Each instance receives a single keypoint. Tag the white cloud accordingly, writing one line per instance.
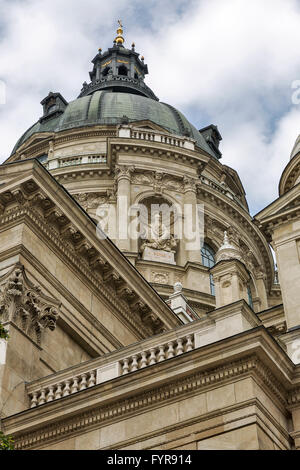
(230, 62)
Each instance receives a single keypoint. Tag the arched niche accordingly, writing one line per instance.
(148, 208)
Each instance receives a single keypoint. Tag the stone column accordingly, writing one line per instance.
(285, 242)
(123, 180)
(192, 246)
(287, 250)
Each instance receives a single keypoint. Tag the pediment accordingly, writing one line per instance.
(149, 125)
(35, 139)
(283, 206)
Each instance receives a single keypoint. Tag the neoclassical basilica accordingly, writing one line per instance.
(125, 332)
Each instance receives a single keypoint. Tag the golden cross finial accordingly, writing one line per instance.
(119, 39)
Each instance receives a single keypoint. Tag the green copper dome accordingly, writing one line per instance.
(116, 94)
(107, 107)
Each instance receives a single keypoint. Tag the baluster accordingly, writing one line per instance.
(67, 389)
(34, 399)
(170, 352)
(74, 388)
(134, 365)
(144, 360)
(125, 366)
(50, 396)
(58, 391)
(92, 379)
(179, 347)
(152, 359)
(42, 398)
(189, 344)
(161, 354)
(83, 383)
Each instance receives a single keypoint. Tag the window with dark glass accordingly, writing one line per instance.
(250, 300)
(208, 260)
(42, 158)
(123, 71)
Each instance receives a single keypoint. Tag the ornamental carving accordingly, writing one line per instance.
(160, 278)
(189, 184)
(124, 171)
(24, 304)
(159, 236)
(90, 200)
(158, 182)
(142, 179)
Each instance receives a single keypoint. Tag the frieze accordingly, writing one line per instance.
(91, 200)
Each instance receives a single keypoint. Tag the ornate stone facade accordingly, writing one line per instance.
(97, 358)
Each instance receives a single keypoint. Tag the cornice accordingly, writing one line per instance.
(99, 327)
(141, 402)
(162, 383)
(289, 175)
(31, 203)
(29, 149)
(104, 290)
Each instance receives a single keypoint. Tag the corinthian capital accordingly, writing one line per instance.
(25, 305)
(124, 171)
(189, 184)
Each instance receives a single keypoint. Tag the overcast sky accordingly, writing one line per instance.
(227, 62)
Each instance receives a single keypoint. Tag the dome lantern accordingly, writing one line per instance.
(119, 69)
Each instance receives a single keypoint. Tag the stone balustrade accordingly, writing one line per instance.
(221, 189)
(157, 354)
(63, 388)
(237, 317)
(154, 136)
(61, 162)
(82, 377)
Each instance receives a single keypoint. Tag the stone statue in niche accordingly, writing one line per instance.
(160, 244)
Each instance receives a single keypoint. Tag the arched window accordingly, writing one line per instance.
(51, 108)
(105, 71)
(208, 260)
(123, 70)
